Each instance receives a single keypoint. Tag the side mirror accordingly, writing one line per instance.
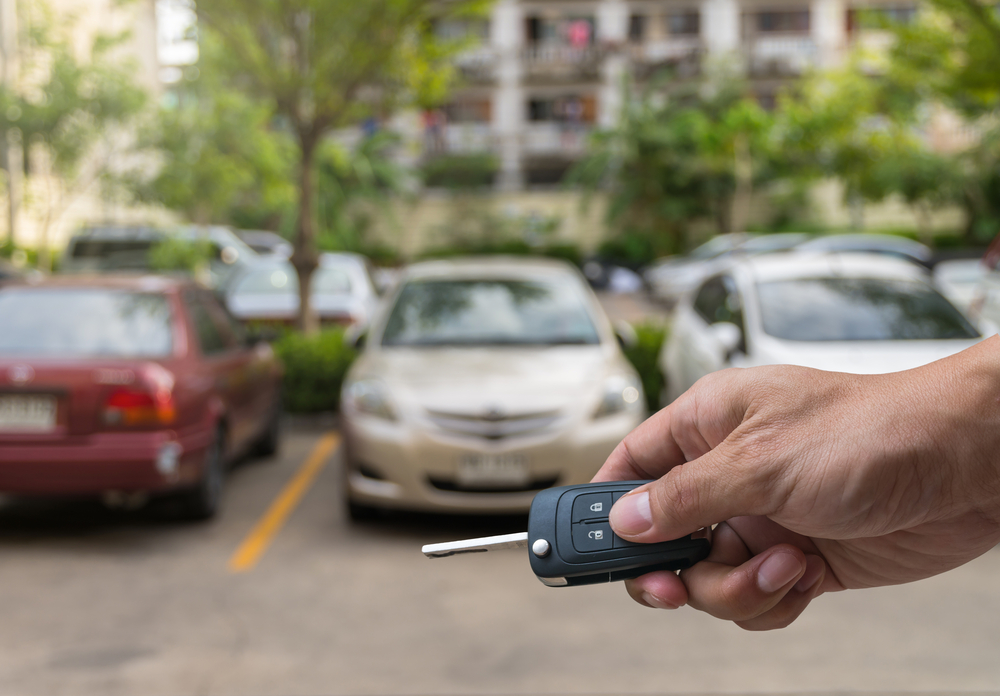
(729, 337)
(626, 335)
(355, 336)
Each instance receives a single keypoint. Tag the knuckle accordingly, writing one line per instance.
(673, 499)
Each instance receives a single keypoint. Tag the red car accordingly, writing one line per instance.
(129, 385)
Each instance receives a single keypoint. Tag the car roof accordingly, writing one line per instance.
(491, 267)
(866, 241)
(802, 265)
(115, 232)
(123, 281)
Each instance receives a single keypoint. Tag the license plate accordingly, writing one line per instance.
(27, 414)
(493, 469)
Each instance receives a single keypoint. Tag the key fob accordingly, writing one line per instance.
(570, 541)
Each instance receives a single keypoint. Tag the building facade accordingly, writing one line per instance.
(546, 72)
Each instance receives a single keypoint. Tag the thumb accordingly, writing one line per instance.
(715, 487)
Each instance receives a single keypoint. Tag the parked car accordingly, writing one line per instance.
(134, 385)
(127, 249)
(670, 277)
(266, 243)
(343, 291)
(483, 381)
(886, 244)
(859, 313)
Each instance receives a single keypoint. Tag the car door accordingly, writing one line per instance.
(229, 363)
(717, 300)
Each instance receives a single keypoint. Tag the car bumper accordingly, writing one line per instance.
(127, 462)
(397, 467)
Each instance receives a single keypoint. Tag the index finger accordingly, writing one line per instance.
(688, 428)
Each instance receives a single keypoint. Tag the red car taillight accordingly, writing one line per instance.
(130, 406)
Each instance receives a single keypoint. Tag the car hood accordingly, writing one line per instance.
(475, 381)
(860, 357)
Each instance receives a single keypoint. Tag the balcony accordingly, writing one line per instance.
(477, 66)
(555, 139)
(681, 56)
(559, 63)
(780, 56)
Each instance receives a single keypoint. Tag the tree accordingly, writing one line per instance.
(71, 109)
(326, 64)
(676, 157)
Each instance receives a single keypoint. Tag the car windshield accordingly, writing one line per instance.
(84, 323)
(858, 309)
(283, 280)
(489, 312)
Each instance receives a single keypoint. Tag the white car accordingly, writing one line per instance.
(483, 381)
(859, 313)
(961, 280)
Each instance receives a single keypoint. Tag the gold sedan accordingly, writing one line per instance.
(483, 381)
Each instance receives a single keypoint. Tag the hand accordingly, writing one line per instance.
(821, 481)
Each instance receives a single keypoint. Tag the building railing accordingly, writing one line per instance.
(681, 55)
(459, 139)
(562, 62)
(555, 139)
(780, 56)
(478, 65)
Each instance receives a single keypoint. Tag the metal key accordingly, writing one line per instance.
(572, 542)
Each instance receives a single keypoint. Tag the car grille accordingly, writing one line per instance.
(493, 426)
(450, 484)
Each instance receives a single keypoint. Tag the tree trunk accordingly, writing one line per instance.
(743, 171)
(305, 257)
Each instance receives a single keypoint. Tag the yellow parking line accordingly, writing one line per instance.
(263, 533)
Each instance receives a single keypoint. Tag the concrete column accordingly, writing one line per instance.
(828, 26)
(612, 33)
(507, 32)
(720, 26)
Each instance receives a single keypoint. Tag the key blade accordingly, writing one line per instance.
(493, 543)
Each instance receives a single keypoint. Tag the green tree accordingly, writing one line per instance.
(676, 157)
(72, 109)
(327, 64)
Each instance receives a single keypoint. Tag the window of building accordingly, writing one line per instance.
(686, 23)
(569, 108)
(637, 28)
(781, 21)
(469, 110)
(577, 31)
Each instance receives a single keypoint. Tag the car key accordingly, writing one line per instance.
(571, 542)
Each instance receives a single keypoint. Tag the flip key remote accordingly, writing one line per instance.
(571, 541)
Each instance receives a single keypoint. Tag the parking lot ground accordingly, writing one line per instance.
(116, 602)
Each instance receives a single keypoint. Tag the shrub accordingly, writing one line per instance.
(461, 171)
(314, 369)
(643, 356)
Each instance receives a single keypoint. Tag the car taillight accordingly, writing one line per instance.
(129, 406)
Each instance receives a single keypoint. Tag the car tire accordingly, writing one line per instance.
(269, 442)
(358, 512)
(202, 501)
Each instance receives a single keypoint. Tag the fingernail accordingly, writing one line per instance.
(814, 571)
(631, 514)
(777, 571)
(657, 603)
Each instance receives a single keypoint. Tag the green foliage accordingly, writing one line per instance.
(643, 357)
(675, 158)
(314, 369)
(470, 171)
(174, 254)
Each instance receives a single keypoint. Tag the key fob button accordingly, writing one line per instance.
(591, 506)
(622, 544)
(595, 536)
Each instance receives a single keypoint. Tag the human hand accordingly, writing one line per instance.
(821, 481)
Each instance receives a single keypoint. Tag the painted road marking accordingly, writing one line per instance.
(260, 537)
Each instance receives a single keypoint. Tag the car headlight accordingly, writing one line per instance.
(371, 397)
(620, 393)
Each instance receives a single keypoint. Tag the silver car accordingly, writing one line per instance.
(481, 383)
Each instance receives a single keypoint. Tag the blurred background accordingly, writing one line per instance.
(290, 289)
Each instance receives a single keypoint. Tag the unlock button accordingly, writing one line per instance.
(594, 536)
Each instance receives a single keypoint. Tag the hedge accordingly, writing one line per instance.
(314, 369)
(643, 355)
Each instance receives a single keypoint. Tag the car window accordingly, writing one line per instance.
(719, 300)
(268, 281)
(489, 312)
(330, 281)
(84, 322)
(211, 330)
(858, 309)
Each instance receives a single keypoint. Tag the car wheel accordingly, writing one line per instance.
(202, 501)
(270, 441)
(360, 513)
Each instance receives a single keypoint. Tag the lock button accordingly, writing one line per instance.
(592, 506)
(592, 536)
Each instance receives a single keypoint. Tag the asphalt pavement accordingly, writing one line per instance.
(109, 602)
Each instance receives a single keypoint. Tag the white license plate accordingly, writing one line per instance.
(22, 413)
(493, 469)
